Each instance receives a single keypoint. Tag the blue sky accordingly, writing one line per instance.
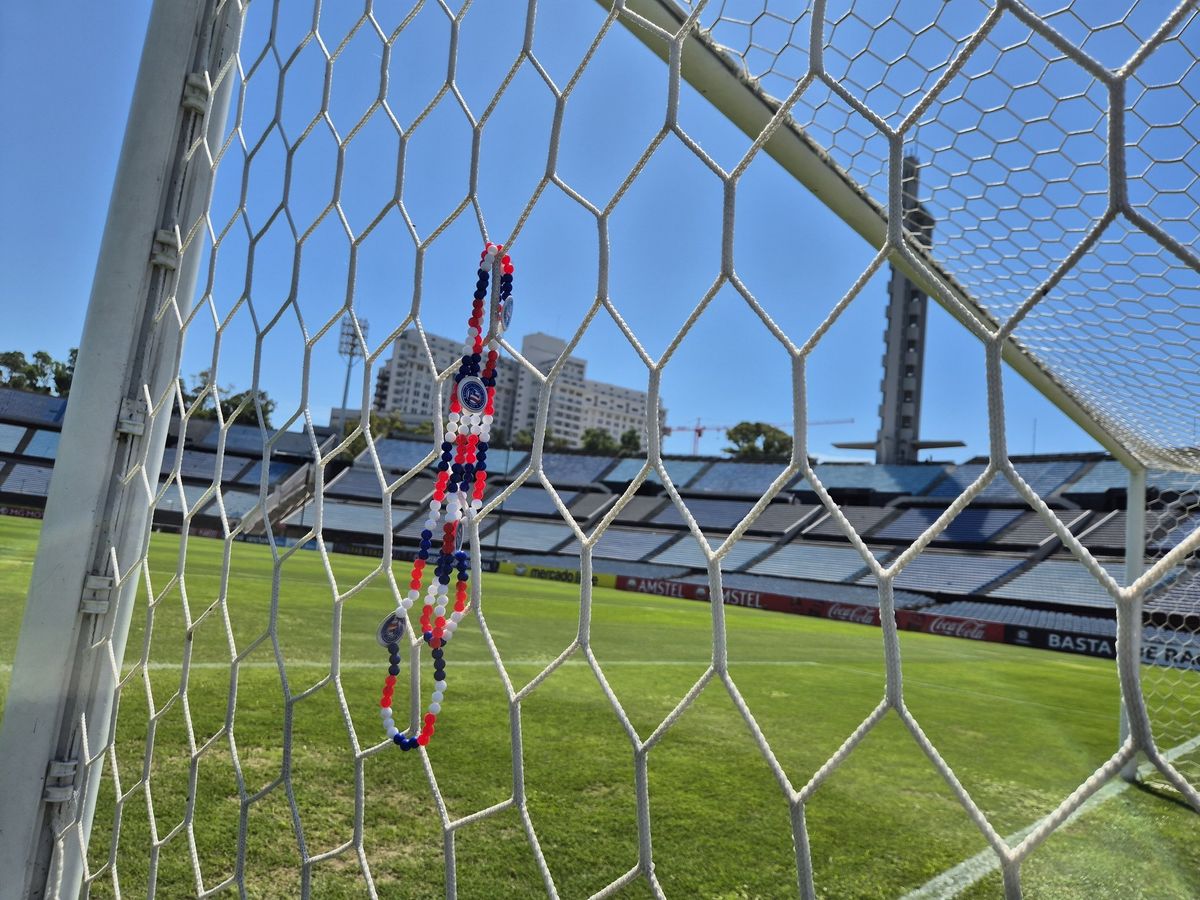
(793, 254)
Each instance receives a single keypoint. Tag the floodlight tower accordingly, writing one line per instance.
(898, 439)
(348, 347)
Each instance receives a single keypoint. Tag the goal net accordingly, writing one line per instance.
(702, 199)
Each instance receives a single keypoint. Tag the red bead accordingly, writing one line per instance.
(430, 718)
(423, 739)
(415, 584)
(383, 704)
(390, 681)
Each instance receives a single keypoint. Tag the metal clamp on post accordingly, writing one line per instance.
(132, 417)
(195, 93)
(97, 592)
(165, 252)
(60, 780)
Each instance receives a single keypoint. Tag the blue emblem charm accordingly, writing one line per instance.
(506, 311)
(390, 630)
(472, 395)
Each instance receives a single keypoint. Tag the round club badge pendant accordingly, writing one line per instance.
(472, 395)
(390, 630)
(506, 314)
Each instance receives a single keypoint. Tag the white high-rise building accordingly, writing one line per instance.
(404, 385)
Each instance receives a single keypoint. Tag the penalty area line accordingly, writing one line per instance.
(954, 881)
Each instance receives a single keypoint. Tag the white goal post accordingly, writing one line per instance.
(189, 129)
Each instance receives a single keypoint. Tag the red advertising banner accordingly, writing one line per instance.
(910, 620)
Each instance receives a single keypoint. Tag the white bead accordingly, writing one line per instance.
(450, 436)
(437, 696)
(442, 685)
(385, 712)
(435, 708)
(456, 616)
(435, 505)
(450, 627)
(388, 724)
(393, 731)
(476, 505)
(414, 594)
(406, 603)
(453, 417)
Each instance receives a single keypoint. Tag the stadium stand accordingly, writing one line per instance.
(1061, 582)
(1168, 532)
(11, 437)
(353, 519)
(514, 534)
(722, 515)
(813, 590)
(247, 440)
(43, 444)
(568, 469)
(680, 471)
(779, 518)
(686, 552)
(1030, 530)
(1106, 533)
(27, 480)
(1180, 596)
(638, 509)
(1011, 614)
(863, 518)
(629, 544)
(1044, 477)
(196, 465)
(814, 562)
(237, 502)
(748, 478)
(951, 573)
(974, 525)
(1108, 475)
(30, 408)
(506, 461)
(535, 501)
(276, 472)
(170, 501)
(892, 480)
(396, 454)
(357, 481)
(588, 505)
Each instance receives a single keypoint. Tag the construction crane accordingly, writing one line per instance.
(699, 428)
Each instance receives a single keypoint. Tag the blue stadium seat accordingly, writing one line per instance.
(365, 519)
(571, 469)
(1044, 477)
(813, 561)
(10, 437)
(885, 479)
(951, 573)
(686, 552)
(728, 477)
(28, 480)
(1061, 581)
(681, 471)
(721, 515)
(974, 525)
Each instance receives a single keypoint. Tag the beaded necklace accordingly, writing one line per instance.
(461, 470)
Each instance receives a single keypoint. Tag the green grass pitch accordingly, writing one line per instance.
(1022, 728)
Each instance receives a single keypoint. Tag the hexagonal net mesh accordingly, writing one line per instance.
(367, 155)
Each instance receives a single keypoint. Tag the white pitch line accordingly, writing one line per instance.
(954, 881)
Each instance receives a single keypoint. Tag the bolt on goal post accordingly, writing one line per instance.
(53, 745)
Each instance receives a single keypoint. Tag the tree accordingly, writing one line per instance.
(229, 398)
(758, 440)
(631, 442)
(597, 440)
(383, 425)
(41, 373)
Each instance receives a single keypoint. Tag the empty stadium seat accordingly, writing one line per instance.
(813, 561)
(686, 552)
(728, 477)
(974, 525)
(680, 471)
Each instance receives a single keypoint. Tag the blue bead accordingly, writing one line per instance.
(458, 377)
(393, 669)
(426, 544)
(398, 740)
(436, 654)
(447, 446)
(482, 446)
(475, 357)
(428, 636)
(480, 294)
(444, 579)
(426, 534)
(393, 648)
(423, 554)
(439, 676)
(481, 466)
(443, 466)
(395, 657)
